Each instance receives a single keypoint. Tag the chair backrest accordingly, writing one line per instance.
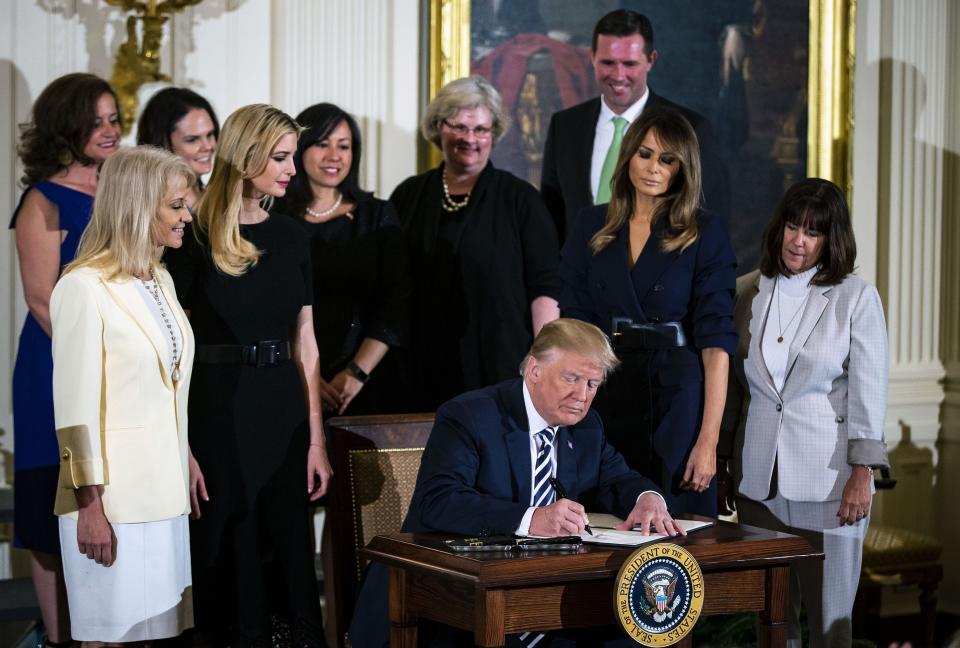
(375, 462)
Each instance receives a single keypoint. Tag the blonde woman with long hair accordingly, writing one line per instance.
(122, 356)
(657, 273)
(245, 278)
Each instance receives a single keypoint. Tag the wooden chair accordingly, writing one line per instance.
(375, 463)
(897, 557)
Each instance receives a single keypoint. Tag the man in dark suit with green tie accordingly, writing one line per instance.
(583, 141)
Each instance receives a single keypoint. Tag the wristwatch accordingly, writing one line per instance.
(358, 373)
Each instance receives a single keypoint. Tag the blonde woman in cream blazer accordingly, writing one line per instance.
(122, 358)
(804, 420)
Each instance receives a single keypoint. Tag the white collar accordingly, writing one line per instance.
(535, 422)
(630, 114)
(796, 285)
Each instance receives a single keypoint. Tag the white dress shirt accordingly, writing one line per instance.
(535, 424)
(604, 135)
(784, 313)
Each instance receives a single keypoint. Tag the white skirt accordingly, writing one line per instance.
(145, 594)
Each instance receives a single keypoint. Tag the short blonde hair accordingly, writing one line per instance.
(573, 336)
(461, 94)
(243, 150)
(132, 185)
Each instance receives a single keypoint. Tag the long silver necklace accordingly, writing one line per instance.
(153, 288)
(447, 202)
(327, 212)
(779, 316)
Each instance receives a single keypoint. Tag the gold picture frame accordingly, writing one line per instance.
(829, 90)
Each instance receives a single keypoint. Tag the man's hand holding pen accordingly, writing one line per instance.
(563, 517)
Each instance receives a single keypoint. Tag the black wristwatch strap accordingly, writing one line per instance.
(359, 373)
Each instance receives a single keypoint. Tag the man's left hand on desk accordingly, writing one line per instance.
(650, 514)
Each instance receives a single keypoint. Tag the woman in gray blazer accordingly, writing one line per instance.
(807, 399)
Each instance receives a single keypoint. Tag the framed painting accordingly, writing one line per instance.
(773, 77)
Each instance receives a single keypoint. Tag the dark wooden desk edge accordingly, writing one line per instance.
(422, 553)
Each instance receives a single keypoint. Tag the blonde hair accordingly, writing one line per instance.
(680, 204)
(462, 94)
(132, 186)
(574, 336)
(243, 151)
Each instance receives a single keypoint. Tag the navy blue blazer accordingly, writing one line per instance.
(475, 472)
(695, 287)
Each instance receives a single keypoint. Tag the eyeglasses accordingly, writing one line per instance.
(480, 132)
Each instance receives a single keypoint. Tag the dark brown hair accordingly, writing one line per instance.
(165, 110)
(62, 119)
(820, 205)
(681, 202)
(623, 22)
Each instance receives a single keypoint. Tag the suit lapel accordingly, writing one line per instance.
(759, 311)
(653, 261)
(585, 138)
(567, 473)
(127, 297)
(517, 438)
(814, 308)
(613, 264)
(186, 354)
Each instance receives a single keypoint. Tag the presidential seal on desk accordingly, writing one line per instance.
(659, 594)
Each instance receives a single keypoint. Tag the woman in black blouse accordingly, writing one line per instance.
(361, 282)
(483, 252)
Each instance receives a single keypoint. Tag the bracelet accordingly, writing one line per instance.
(359, 373)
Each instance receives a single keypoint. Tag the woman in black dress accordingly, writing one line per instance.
(255, 423)
(360, 270)
(483, 252)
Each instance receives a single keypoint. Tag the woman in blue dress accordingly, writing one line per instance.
(75, 126)
(657, 273)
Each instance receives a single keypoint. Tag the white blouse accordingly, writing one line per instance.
(784, 313)
(147, 289)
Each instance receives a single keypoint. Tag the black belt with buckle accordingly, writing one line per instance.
(266, 353)
(648, 335)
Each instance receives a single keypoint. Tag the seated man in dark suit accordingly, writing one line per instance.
(583, 141)
(487, 466)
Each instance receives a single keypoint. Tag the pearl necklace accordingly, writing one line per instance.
(447, 202)
(153, 288)
(327, 212)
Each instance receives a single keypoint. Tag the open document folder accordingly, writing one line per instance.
(604, 533)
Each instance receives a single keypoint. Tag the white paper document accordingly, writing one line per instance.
(603, 532)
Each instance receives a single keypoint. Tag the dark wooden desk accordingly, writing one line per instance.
(495, 594)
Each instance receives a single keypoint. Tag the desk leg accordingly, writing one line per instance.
(488, 616)
(773, 618)
(403, 626)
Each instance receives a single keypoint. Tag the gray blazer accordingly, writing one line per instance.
(831, 410)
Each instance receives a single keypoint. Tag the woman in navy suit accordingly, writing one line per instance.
(658, 275)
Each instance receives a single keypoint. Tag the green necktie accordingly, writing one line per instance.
(610, 162)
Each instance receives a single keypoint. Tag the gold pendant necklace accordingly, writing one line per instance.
(795, 313)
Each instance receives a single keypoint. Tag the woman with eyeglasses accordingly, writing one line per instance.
(483, 252)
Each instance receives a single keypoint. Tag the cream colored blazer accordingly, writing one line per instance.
(802, 441)
(121, 420)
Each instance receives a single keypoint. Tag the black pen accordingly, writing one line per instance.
(561, 494)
